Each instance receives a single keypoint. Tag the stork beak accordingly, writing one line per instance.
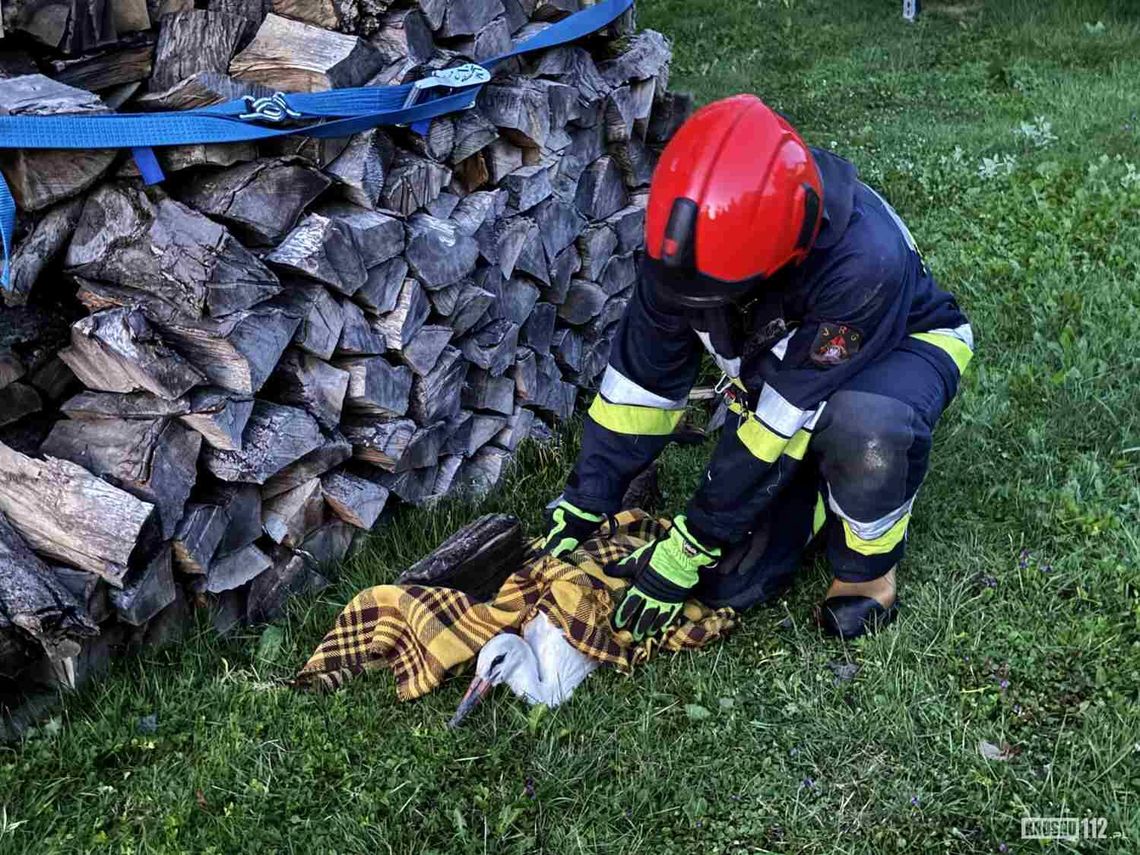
(475, 692)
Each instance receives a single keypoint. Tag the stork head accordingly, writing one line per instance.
(499, 659)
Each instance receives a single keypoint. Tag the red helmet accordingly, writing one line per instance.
(735, 197)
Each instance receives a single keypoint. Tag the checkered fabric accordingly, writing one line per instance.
(421, 633)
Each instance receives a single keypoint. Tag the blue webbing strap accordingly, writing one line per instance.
(335, 113)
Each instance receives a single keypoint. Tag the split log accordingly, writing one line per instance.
(559, 225)
(236, 569)
(330, 543)
(342, 15)
(194, 41)
(436, 395)
(400, 325)
(573, 66)
(40, 247)
(166, 250)
(442, 206)
(11, 368)
(201, 90)
(36, 602)
(519, 108)
(66, 513)
(219, 417)
(87, 589)
(514, 298)
(669, 113)
(136, 405)
(289, 517)
(54, 380)
(261, 200)
(476, 208)
(423, 352)
(16, 401)
(305, 381)
(239, 351)
(198, 536)
(587, 144)
(38, 178)
(567, 349)
(482, 472)
(527, 186)
(153, 459)
(413, 182)
(382, 287)
(492, 347)
(635, 161)
(322, 323)
(415, 486)
(375, 386)
(477, 559)
(619, 275)
(470, 174)
(378, 237)
(275, 436)
(176, 158)
(354, 498)
(472, 304)
(241, 504)
(357, 337)
(516, 429)
(459, 429)
(118, 351)
(484, 428)
(381, 443)
(538, 330)
(584, 301)
(595, 248)
(469, 17)
(525, 374)
(435, 143)
(445, 475)
(405, 34)
(600, 190)
(618, 115)
(483, 391)
(324, 250)
(519, 247)
(72, 26)
(146, 594)
(227, 610)
(501, 158)
(629, 228)
(296, 57)
(362, 168)
(334, 450)
(473, 133)
(290, 576)
(437, 252)
(644, 55)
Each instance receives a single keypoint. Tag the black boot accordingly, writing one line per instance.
(850, 617)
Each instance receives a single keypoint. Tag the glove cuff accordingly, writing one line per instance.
(578, 512)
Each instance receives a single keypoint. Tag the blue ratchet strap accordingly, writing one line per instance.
(335, 113)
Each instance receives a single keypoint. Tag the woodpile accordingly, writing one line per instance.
(209, 386)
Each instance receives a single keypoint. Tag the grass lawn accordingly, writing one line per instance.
(1006, 133)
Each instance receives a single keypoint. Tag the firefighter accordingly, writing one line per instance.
(839, 353)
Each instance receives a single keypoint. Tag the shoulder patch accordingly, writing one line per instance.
(834, 344)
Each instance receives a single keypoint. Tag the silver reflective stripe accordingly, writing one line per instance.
(731, 367)
(964, 334)
(619, 389)
(780, 414)
(811, 423)
(898, 220)
(780, 348)
(874, 529)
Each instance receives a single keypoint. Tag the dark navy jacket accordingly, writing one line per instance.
(862, 292)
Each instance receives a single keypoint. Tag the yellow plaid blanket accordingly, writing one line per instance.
(421, 633)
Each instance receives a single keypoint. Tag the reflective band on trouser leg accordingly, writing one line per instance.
(769, 445)
(953, 346)
(880, 545)
(630, 419)
(820, 516)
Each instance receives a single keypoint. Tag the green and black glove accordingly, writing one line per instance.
(663, 573)
(569, 526)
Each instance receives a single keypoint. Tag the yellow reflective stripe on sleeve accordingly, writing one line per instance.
(954, 347)
(798, 445)
(763, 443)
(631, 419)
(880, 545)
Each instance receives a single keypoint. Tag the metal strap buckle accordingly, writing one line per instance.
(460, 77)
(270, 108)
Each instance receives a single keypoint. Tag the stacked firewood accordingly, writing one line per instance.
(207, 387)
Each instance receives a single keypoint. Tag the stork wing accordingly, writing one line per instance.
(560, 666)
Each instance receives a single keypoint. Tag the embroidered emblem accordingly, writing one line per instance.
(835, 344)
